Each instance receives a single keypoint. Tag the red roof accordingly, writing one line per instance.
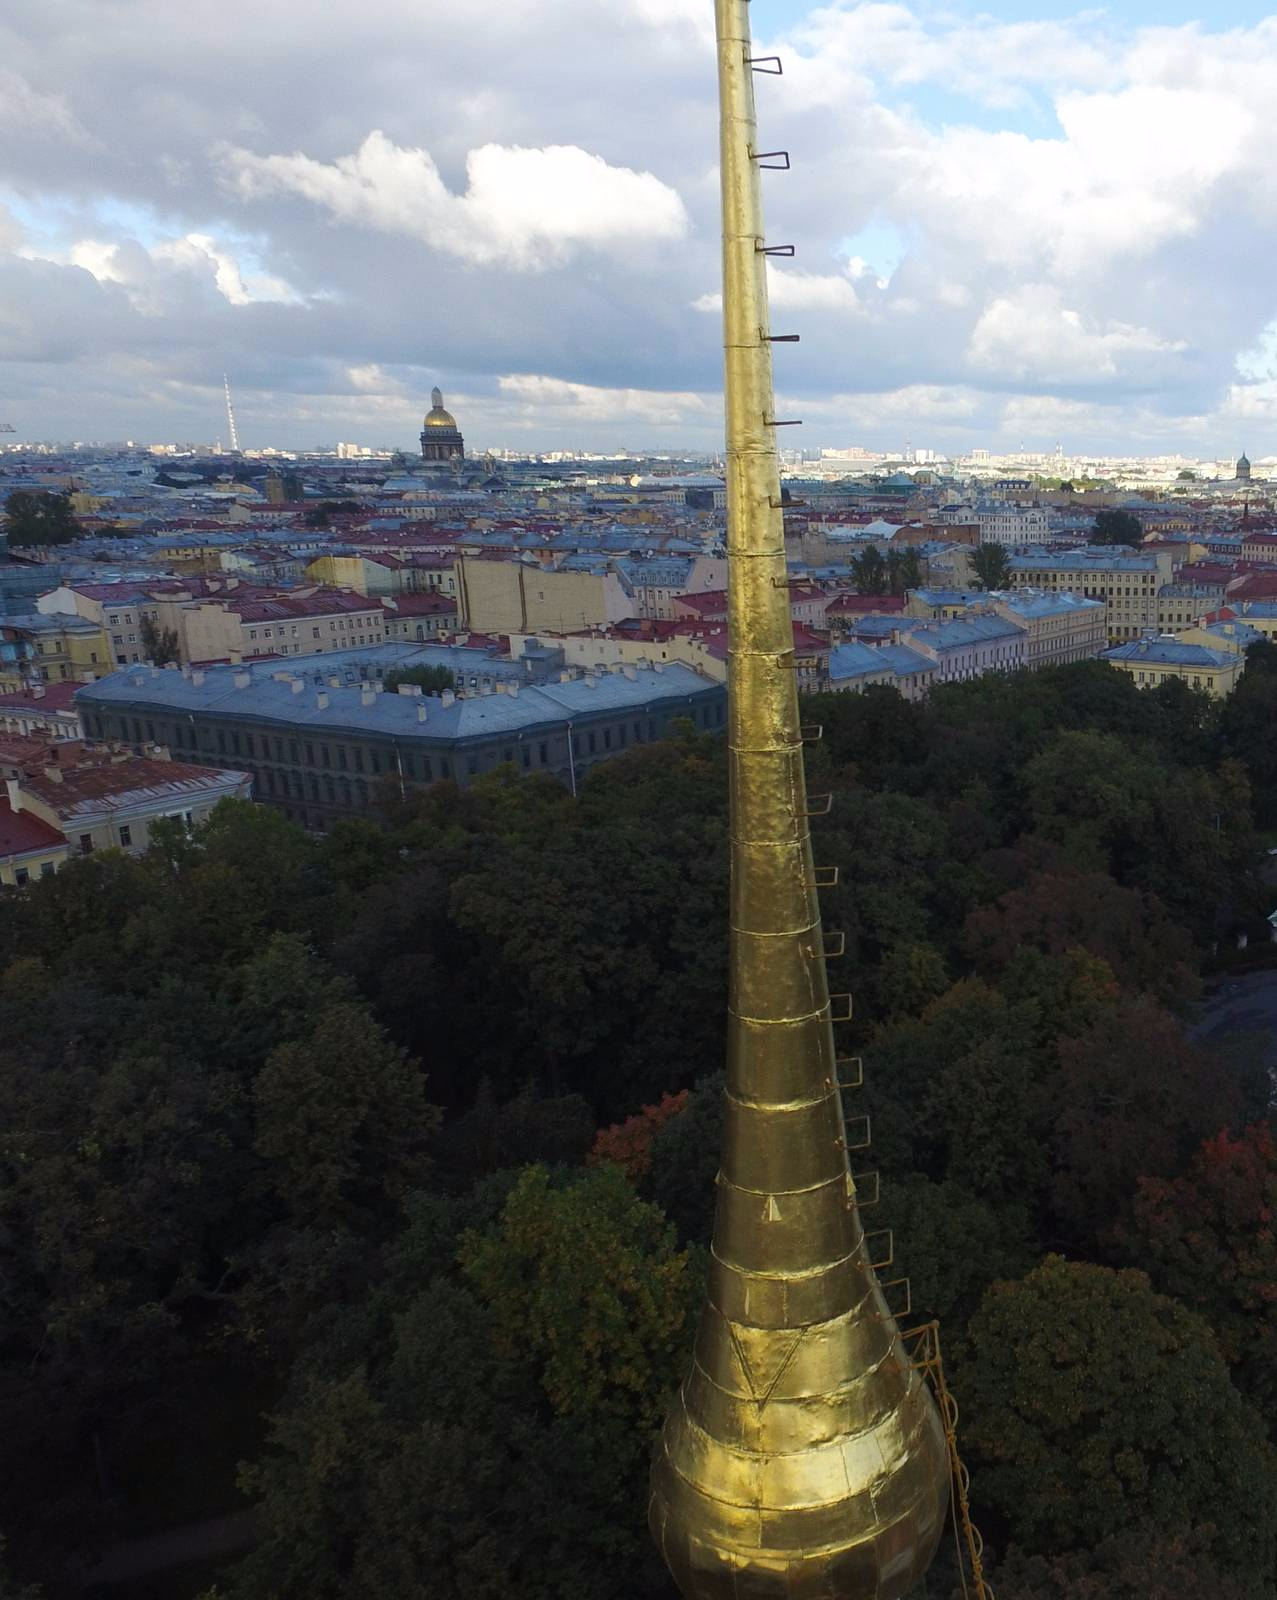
(22, 834)
(859, 605)
(706, 603)
(99, 786)
(324, 603)
(429, 604)
(56, 697)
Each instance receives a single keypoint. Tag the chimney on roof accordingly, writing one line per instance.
(629, 672)
(447, 698)
(37, 691)
(367, 694)
(197, 677)
(298, 685)
(334, 682)
(243, 679)
(421, 710)
(411, 689)
(321, 699)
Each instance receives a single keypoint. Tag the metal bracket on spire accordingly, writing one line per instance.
(891, 1247)
(811, 732)
(849, 1061)
(782, 338)
(823, 878)
(783, 422)
(863, 1177)
(908, 1305)
(821, 805)
(767, 160)
(836, 950)
(863, 1144)
(760, 64)
(774, 249)
(840, 1018)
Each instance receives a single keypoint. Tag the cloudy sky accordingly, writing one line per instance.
(1025, 224)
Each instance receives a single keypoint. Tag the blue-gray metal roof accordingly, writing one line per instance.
(1170, 653)
(274, 698)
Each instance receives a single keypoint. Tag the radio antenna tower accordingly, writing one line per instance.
(230, 416)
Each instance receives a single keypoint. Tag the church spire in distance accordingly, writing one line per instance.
(804, 1458)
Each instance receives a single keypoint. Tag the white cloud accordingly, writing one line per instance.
(522, 208)
(1033, 335)
(792, 290)
(535, 395)
(26, 110)
(151, 276)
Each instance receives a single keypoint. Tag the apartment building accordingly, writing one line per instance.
(418, 617)
(316, 746)
(62, 800)
(1060, 627)
(1152, 660)
(65, 648)
(1128, 583)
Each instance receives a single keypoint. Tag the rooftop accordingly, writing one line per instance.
(23, 834)
(89, 790)
(1170, 653)
(359, 708)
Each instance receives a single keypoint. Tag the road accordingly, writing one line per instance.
(1241, 1005)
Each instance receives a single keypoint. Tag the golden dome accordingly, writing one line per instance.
(437, 417)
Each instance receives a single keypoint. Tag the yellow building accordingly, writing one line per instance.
(364, 574)
(1153, 660)
(1128, 582)
(64, 648)
(509, 597)
(30, 847)
(706, 652)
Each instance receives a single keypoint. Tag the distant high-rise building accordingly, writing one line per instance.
(441, 439)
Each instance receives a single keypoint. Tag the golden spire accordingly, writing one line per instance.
(804, 1458)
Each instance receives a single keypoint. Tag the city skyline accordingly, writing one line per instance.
(982, 208)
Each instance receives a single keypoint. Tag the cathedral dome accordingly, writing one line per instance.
(1243, 466)
(441, 439)
(437, 417)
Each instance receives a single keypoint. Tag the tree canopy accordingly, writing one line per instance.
(37, 516)
(368, 1178)
(1117, 527)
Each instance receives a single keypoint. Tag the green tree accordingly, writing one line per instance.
(869, 571)
(1246, 723)
(1136, 1098)
(432, 680)
(342, 1119)
(1207, 1237)
(160, 644)
(1133, 1566)
(904, 570)
(1117, 527)
(992, 566)
(589, 1285)
(1093, 1407)
(35, 517)
(527, 1379)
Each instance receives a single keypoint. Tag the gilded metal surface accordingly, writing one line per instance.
(804, 1458)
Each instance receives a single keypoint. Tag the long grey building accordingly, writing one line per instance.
(317, 741)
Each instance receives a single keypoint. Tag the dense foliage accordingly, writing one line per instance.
(38, 516)
(368, 1178)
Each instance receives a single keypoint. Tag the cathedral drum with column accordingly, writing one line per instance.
(441, 439)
